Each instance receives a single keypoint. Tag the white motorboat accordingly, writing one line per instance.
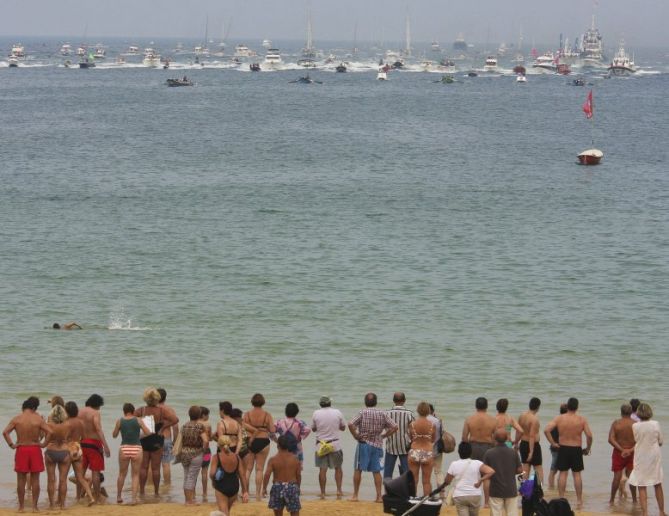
(100, 52)
(447, 66)
(267, 43)
(382, 75)
(273, 57)
(81, 51)
(18, 51)
(490, 64)
(201, 50)
(244, 51)
(151, 58)
(622, 64)
(545, 63)
(13, 62)
(66, 49)
(521, 78)
(132, 51)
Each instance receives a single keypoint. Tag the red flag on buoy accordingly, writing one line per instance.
(587, 106)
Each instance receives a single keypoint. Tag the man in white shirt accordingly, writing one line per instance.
(327, 424)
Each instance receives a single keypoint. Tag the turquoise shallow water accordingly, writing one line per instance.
(254, 235)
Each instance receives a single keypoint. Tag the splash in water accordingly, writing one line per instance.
(118, 320)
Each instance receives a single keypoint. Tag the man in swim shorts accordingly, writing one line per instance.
(530, 449)
(621, 438)
(286, 470)
(93, 445)
(369, 428)
(571, 427)
(478, 431)
(29, 427)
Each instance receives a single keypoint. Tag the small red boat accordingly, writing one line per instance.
(590, 157)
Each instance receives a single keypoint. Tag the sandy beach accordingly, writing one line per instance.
(309, 508)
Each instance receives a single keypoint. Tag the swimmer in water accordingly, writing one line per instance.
(67, 326)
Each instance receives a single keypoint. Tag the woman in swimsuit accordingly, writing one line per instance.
(263, 423)
(506, 422)
(228, 425)
(227, 472)
(76, 434)
(162, 419)
(247, 432)
(130, 452)
(206, 457)
(57, 455)
(421, 455)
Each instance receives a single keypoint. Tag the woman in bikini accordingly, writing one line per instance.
(507, 422)
(75, 435)
(162, 418)
(421, 455)
(228, 426)
(130, 452)
(263, 423)
(227, 472)
(57, 455)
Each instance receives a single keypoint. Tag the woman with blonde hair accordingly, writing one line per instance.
(227, 472)
(647, 470)
(152, 445)
(130, 452)
(263, 423)
(57, 455)
(423, 435)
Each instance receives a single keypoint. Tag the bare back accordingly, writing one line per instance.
(479, 428)
(91, 422)
(29, 427)
(261, 420)
(76, 429)
(571, 428)
(622, 432)
(60, 433)
(285, 467)
(529, 422)
(171, 427)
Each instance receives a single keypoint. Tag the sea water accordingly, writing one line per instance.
(253, 235)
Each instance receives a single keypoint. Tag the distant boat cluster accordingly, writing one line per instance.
(585, 54)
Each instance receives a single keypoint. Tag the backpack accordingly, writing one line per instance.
(560, 507)
(291, 440)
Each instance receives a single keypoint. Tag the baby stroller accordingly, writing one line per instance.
(400, 498)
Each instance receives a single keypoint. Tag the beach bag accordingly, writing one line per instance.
(152, 442)
(75, 451)
(176, 448)
(150, 423)
(291, 439)
(447, 442)
(324, 448)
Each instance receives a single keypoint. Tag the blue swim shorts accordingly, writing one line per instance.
(285, 494)
(368, 458)
(167, 452)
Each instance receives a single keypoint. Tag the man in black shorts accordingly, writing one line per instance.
(571, 427)
(530, 449)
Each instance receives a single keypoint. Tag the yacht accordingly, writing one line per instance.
(273, 57)
(267, 43)
(66, 49)
(151, 58)
(447, 66)
(435, 46)
(545, 63)
(13, 62)
(244, 51)
(201, 50)
(81, 51)
(592, 48)
(622, 64)
(460, 45)
(490, 64)
(18, 51)
(132, 51)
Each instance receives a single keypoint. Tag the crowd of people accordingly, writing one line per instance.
(494, 451)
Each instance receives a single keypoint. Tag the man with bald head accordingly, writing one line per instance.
(506, 463)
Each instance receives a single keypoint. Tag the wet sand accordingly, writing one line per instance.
(309, 508)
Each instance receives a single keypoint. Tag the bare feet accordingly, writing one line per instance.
(353, 498)
(322, 496)
(340, 495)
(379, 499)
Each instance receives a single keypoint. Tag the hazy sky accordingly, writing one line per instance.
(640, 22)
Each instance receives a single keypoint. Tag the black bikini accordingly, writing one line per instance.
(224, 482)
(260, 443)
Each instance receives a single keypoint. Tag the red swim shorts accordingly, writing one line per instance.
(93, 455)
(618, 462)
(28, 459)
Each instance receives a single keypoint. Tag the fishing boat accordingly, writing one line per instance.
(18, 51)
(88, 61)
(622, 64)
(545, 63)
(151, 58)
(99, 52)
(242, 50)
(490, 64)
(66, 49)
(273, 57)
(590, 156)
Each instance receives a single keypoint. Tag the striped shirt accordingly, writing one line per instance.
(398, 443)
(371, 422)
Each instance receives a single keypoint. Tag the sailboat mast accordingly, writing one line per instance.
(407, 50)
(355, 38)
